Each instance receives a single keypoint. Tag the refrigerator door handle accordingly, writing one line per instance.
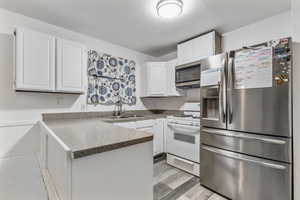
(230, 88)
(222, 94)
(243, 158)
(224, 97)
(221, 108)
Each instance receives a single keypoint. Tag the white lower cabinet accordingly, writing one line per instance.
(126, 124)
(106, 175)
(156, 127)
(158, 142)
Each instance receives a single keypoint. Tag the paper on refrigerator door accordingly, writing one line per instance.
(210, 77)
(254, 68)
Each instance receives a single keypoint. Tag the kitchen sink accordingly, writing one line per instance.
(125, 116)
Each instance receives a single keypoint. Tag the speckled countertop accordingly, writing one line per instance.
(91, 136)
(91, 133)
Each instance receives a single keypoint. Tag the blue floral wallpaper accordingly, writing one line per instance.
(110, 78)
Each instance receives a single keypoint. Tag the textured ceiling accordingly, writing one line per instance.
(134, 23)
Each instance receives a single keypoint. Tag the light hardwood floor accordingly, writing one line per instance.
(171, 183)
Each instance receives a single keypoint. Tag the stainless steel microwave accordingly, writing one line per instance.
(188, 75)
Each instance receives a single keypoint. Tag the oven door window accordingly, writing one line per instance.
(185, 138)
(191, 73)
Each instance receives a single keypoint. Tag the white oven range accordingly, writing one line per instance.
(183, 143)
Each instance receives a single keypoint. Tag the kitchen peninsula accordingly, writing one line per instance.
(89, 158)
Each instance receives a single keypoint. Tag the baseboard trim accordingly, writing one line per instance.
(49, 185)
(159, 157)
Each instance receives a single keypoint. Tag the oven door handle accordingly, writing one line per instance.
(243, 158)
(184, 128)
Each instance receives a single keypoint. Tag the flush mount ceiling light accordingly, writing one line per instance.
(169, 8)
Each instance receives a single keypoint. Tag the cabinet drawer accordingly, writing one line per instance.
(190, 167)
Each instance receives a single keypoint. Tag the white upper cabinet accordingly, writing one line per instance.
(198, 48)
(45, 63)
(185, 52)
(35, 61)
(203, 46)
(171, 86)
(71, 65)
(156, 79)
(159, 80)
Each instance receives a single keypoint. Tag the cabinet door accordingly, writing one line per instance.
(158, 131)
(156, 127)
(35, 61)
(150, 129)
(203, 46)
(156, 79)
(171, 86)
(185, 52)
(71, 64)
(180, 54)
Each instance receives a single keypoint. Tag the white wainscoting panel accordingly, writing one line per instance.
(19, 138)
(21, 178)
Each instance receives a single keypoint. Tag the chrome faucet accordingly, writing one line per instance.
(119, 105)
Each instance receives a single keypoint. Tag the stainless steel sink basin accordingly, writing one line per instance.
(125, 116)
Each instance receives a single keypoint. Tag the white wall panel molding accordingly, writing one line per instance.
(17, 123)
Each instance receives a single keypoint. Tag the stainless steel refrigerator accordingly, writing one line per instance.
(246, 119)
